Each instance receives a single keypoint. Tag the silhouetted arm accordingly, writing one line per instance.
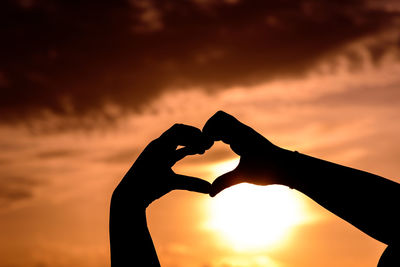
(130, 240)
(367, 201)
(148, 179)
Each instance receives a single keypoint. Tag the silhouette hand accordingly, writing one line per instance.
(151, 175)
(261, 162)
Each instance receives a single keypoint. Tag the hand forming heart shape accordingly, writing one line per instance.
(151, 176)
(261, 163)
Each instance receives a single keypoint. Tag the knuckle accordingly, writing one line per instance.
(175, 127)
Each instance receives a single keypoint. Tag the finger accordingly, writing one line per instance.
(224, 181)
(186, 135)
(185, 151)
(222, 126)
(183, 182)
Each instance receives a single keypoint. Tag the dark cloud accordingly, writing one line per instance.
(58, 153)
(123, 156)
(75, 56)
(368, 96)
(16, 188)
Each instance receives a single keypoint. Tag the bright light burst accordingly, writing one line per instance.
(253, 217)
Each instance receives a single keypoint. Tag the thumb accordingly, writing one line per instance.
(224, 181)
(183, 182)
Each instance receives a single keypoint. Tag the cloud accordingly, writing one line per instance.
(74, 58)
(58, 153)
(73, 173)
(122, 156)
(16, 188)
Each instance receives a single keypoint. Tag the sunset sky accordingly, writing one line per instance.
(85, 85)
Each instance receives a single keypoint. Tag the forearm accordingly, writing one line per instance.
(365, 200)
(130, 240)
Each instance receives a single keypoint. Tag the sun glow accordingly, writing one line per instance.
(254, 217)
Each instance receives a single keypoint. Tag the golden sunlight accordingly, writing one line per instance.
(251, 217)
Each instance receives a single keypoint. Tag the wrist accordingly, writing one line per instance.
(126, 200)
(294, 169)
(286, 162)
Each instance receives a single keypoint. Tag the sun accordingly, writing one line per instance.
(251, 217)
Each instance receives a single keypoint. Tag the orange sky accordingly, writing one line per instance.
(80, 98)
(56, 185)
